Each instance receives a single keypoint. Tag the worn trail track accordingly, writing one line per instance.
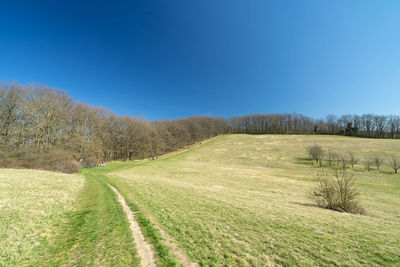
(144, 249)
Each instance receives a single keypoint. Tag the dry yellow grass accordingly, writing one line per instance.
(31, 205)
(242, 200)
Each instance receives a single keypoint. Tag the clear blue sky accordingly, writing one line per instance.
(176, 58)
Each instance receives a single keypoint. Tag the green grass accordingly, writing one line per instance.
(51, 219)
(95, 234)
(32, 204)
(164, 257)
(243, 200)
(236, 200)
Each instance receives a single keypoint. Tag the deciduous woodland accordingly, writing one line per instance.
(367, 125)
(44, 128)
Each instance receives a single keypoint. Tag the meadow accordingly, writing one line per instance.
(32, 203)
(53, 219)
(244, 200)
(234, 200)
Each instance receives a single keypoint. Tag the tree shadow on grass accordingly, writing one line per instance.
(304, 161)
(312, 205)
(306, 204)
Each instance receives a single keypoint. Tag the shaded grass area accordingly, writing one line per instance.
(243, 200)
(96, 233)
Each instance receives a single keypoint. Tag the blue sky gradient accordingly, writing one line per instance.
(172, 59)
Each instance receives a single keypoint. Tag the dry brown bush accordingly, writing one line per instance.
(336, 191)
(52, 160)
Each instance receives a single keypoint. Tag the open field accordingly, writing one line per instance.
(243, 200)
(32, 203)
(235, 200)
(52, 219)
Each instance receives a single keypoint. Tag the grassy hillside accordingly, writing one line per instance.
(242, 200)
(32, 203)
(52, 219)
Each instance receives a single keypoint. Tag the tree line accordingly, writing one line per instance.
(45, 128)
(367, 125)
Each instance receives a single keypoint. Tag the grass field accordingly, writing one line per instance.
(238, 200)
(32, 203)
(243, 200)
(52, 219)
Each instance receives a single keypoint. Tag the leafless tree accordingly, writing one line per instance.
(316, 153)
(331, 156)
(35, 120)
(367, 125)
(368, 163)
(394, 163)
(352, 158)
(377, 160)
(342, 161)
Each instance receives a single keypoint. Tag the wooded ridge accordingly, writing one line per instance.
(44, 128)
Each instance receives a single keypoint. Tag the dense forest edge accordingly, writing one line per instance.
(44, 128)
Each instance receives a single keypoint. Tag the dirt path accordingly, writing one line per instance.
(144, 249)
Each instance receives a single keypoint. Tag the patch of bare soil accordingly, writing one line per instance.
(144, 249)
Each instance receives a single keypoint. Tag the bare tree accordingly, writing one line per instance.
(331, 156)
(353, 160)
(316, 153)
(342, 161)
(377, 160)
(368, 163)
(394, 163)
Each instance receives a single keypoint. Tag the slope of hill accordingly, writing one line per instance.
(234, 200)
(53, 219)
(32, 204)
(243, 200)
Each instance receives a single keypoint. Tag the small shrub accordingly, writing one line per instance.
(89, 161)
(336, 191)
(56, 160)
(51, 160)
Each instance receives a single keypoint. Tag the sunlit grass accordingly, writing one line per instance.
(243, 200)
(32, 203)
(53, 219)
(95, 233)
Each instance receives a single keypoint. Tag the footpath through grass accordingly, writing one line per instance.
(243, 200)
(164, 256)
(96, 233)
(236, 200)
(52, 219)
